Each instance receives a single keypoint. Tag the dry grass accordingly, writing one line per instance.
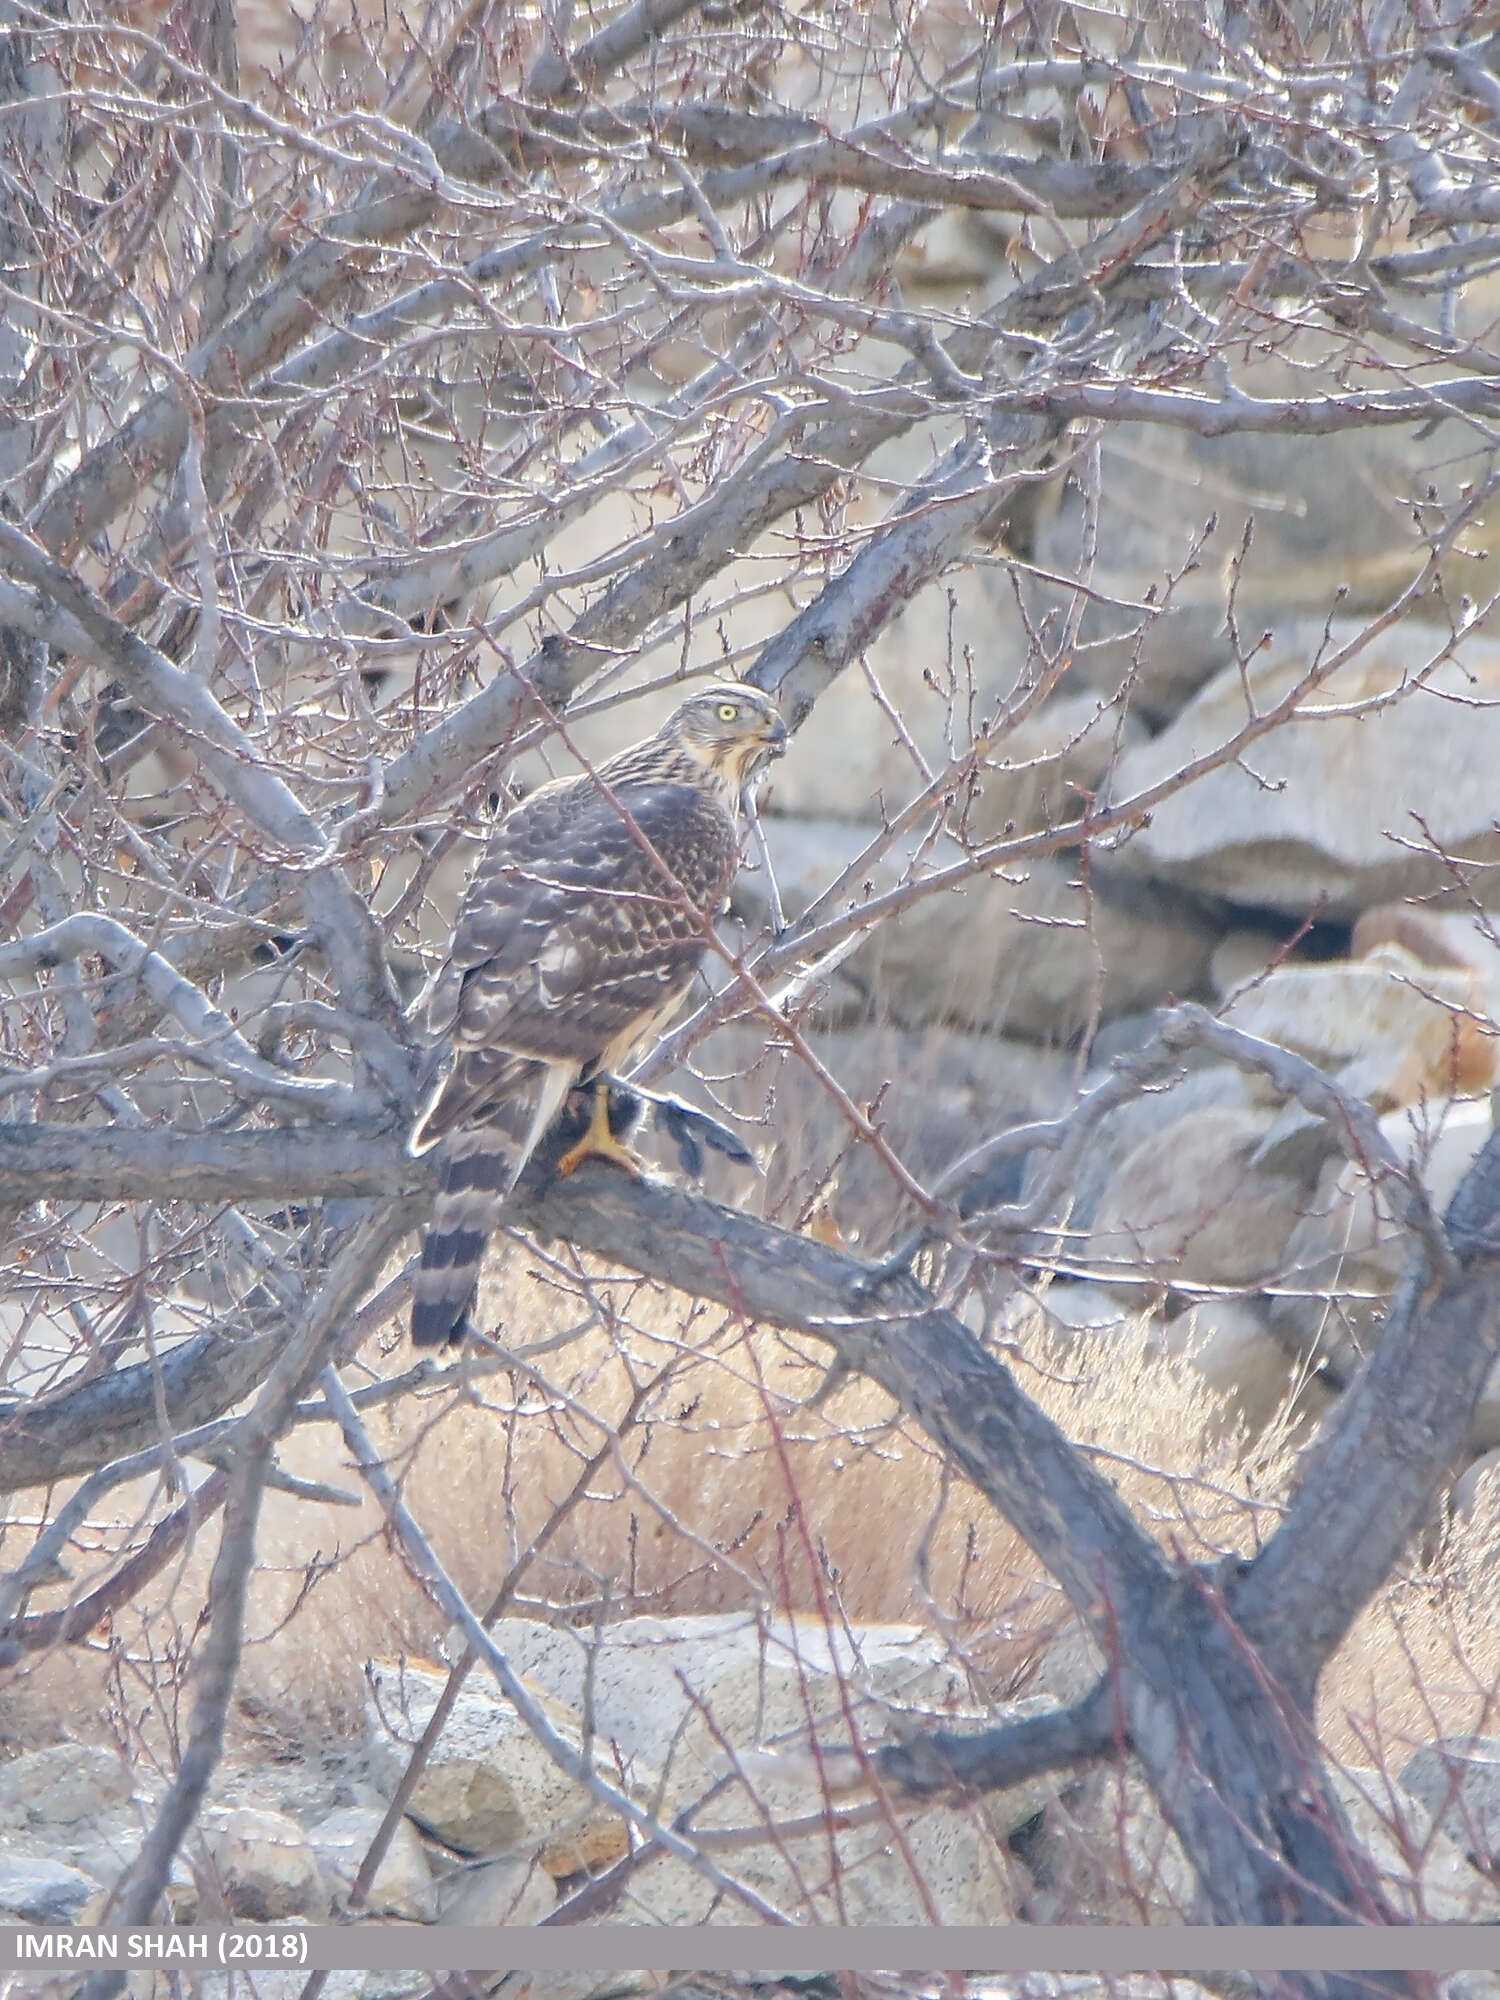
(729, 1491)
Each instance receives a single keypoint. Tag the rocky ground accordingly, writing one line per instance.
(1332, 895)
(716, 1710)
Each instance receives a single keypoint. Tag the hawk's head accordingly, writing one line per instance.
(730, 729)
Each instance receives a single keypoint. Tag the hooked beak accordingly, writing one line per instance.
(773, 736)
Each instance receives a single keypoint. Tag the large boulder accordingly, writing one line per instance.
(1143, 1121)
(403, 1885)
(1194, 1209)
(1347, 1252)
(1393, 1030)
(1331, 810)
(1332, 534)
(1232, 1345)
(62, 1784)
(940, 1092)
(1127, 1866)
(1032, 952)
(261, 1866)
(1457, 1779)
(36, 1889)
(488, 1787)
(1037, 954)
(703, 1698)
(671, 1693)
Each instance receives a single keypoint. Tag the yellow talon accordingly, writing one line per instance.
(599, 1143)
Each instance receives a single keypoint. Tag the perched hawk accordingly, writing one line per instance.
(578, 939)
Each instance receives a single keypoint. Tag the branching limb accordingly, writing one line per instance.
(217, 1040)
(189, 707)
(944, 1760)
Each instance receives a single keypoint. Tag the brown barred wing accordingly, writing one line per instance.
(589, 920)
(581, 933)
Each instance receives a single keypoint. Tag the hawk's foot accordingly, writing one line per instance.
(599, 1142)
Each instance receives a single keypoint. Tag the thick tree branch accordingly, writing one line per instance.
(229, 759)
(730, 519)
(217, 1040)
(283, 1163)
(1368, 1484)
(989, 1760)
(79, 1429)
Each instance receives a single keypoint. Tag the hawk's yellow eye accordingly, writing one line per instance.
(729, 711)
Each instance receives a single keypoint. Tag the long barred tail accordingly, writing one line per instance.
(487, 1125)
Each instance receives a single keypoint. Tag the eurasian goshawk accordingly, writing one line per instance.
(578, 939)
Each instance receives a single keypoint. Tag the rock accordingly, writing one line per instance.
(1475, 1487)
(1079, 1306)
(848, 759)
(1140, 1867)
(1241, 955)
(1041, 770)
(1346, 1253)
(1390, 1029)
(105, 1846)
(1457, 1779)
(669, 1693)
(513, 1889)
(403, 1884)
(940, 1092)
(395, 1985)
(1231, 1345)
(1330, 810)
(1192, 1209)
(262, 1866)
(1146, 1118)
(699, 1696)
(1104, 1854)
(1036, 951)
(1425, 1873)
(1332, 534)
(35, 1889)
(1472, 1986)
(945, 1860)
(1070, 1666)
(61, 1784)
(1030, 957)
(489, 1787)
(1430, 936)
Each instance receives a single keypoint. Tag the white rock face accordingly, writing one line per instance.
(489, 1787)
(662, 1690)
(1345, 1255)
(1231, 1345)
(694, 1698)
(1026, 953)
(403, 1882)
(1475, 1485)
(36, 1889)
(513, 1889)
(1342, 792)
(1194, 1209)
(61, 1784)
(1458, 1780)
(1030, 956)
(263, 1866)
(1391, 1029)
(1424, 1871)
(1140, 1866)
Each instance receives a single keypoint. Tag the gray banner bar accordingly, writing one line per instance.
(872, 1948)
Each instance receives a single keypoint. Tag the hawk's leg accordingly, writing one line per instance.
(598, 1142)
